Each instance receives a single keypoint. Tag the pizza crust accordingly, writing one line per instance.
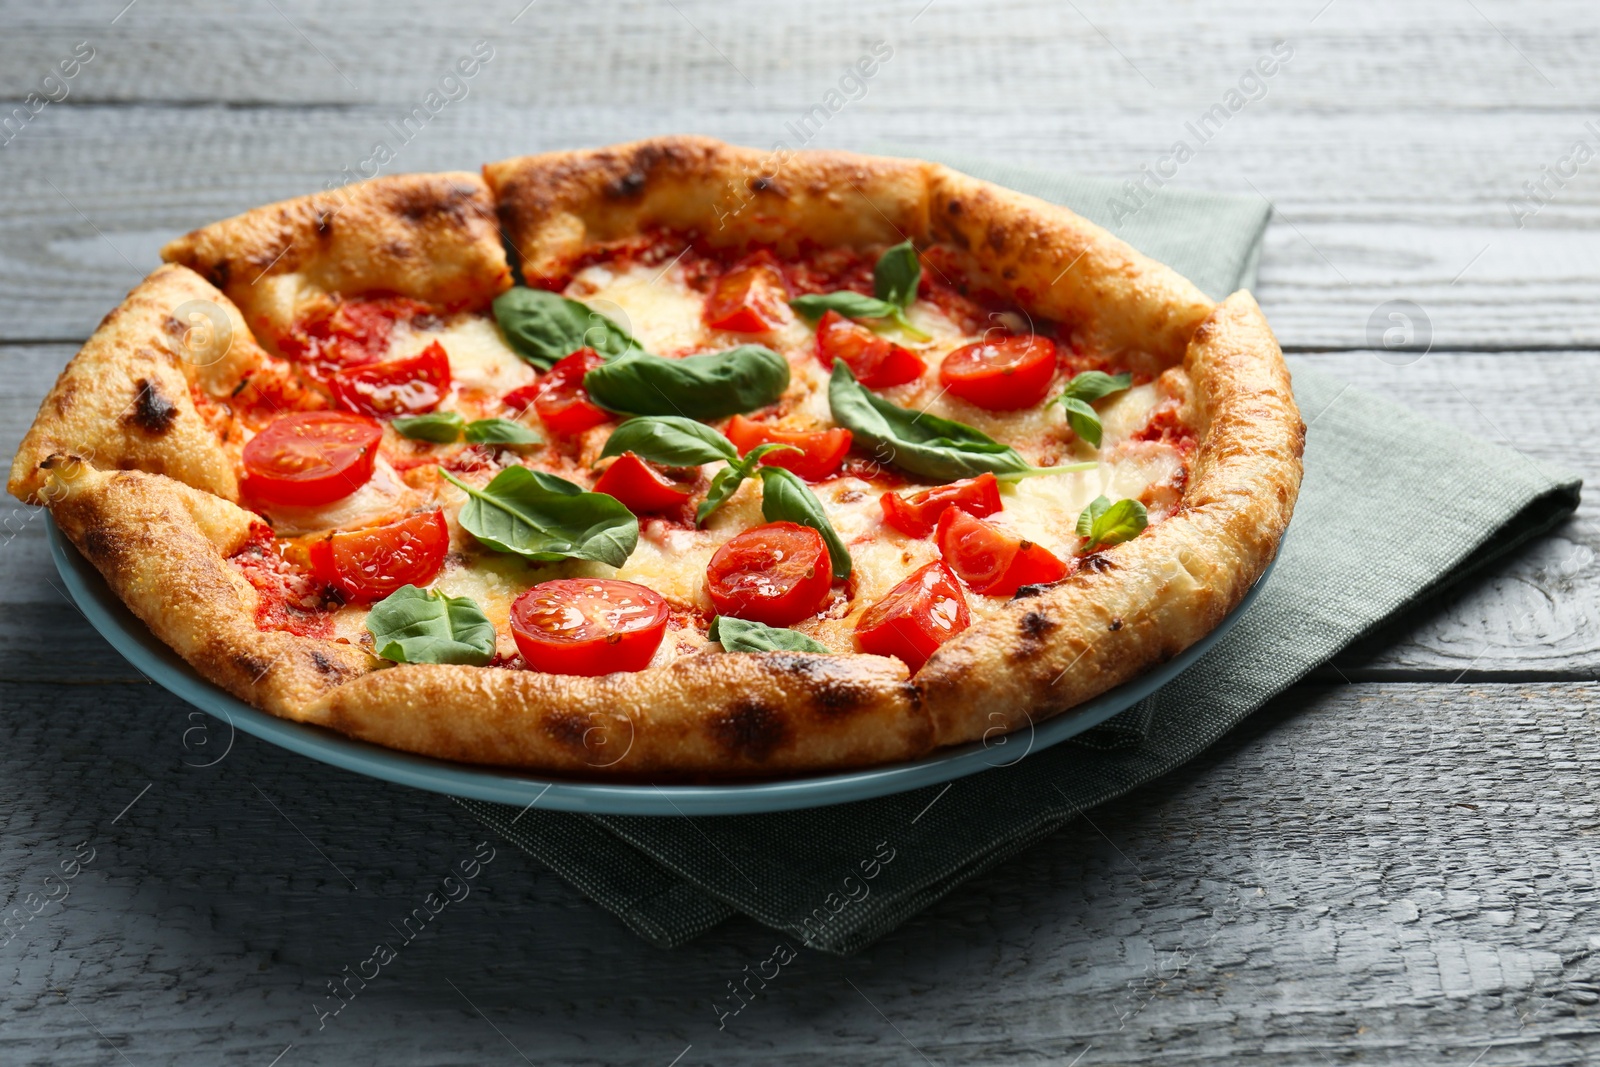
(430, 237)
(162, 544)
(128, 399)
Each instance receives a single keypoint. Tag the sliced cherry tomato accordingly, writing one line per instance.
(777, 574)
(562, 402)
(990, 560)
(821, 451)
(588, 626)
(876, 361)
(395, 387)
(748, 299)
(369, 564)
(640, 487)
(916, 514)
(521, 398)
(918, 615)
(1005, 374)
(310, 457)
(351, 333)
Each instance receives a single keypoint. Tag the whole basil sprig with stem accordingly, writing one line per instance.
(1081, 393)
(895, 278)
(675, 441)
(1105, 523)
(925, 444)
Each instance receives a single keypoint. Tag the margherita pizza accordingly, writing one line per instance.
(758, 465)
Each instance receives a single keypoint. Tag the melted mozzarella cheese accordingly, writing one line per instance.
(657, 306)
(384, 498)
(483, 367)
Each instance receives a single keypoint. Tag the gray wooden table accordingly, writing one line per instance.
(1394, 863)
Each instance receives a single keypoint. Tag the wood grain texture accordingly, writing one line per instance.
(1427, 895)
(1243, 910)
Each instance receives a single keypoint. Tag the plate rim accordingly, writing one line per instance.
(156, 661)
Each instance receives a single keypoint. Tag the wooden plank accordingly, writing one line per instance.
(1290, 897)
(1088, 56)
(1532, 616)
(1374, 205)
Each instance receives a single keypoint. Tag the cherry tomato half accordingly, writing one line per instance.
(777, 574)
(310, 457)
(369, 564)
(917, 616)
(748, 299)
(821, 451)
(351, 333)
(916, 514)
(562, 402)
(394, 387)
(640, 487)
(588, 626)
(1006, 374)
(876, 361)
(990, 560)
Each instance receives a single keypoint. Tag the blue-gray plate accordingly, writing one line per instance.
(107, 614)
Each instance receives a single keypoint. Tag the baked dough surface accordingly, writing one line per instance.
(134, 455)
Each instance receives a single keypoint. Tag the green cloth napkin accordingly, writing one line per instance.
(1393, 507)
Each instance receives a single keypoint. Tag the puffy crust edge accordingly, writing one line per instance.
(161, 544)
(162, 547)
(431, 237)
(127, 399)
(554, 207)
(1142, 602)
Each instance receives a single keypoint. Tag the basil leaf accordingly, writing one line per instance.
(723, 486)
(544, 518)
(501, 432)
(851, 305)
(440, 427)
(1084, 420)
(1105, 523)
(729, 478)
(896, 275)
(543, 327)
(785, 498)
(671, 440)
(743, 635)
(708, 386)
(1092, 385)
(924, 444)
(1096, 508)
(413, 625)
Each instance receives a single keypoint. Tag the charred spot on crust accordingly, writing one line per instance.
(254, 666)
(325, 666)
(1096, 563)
(749, 731)
(953, 207)
(153, 411)
(567, 727)
(1025, 591)
(424, 200)
(217, 274)
(99, 543)
(1116, 624)
(324, 222)
(626, 187)
(1036, 624)
(997, 238)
